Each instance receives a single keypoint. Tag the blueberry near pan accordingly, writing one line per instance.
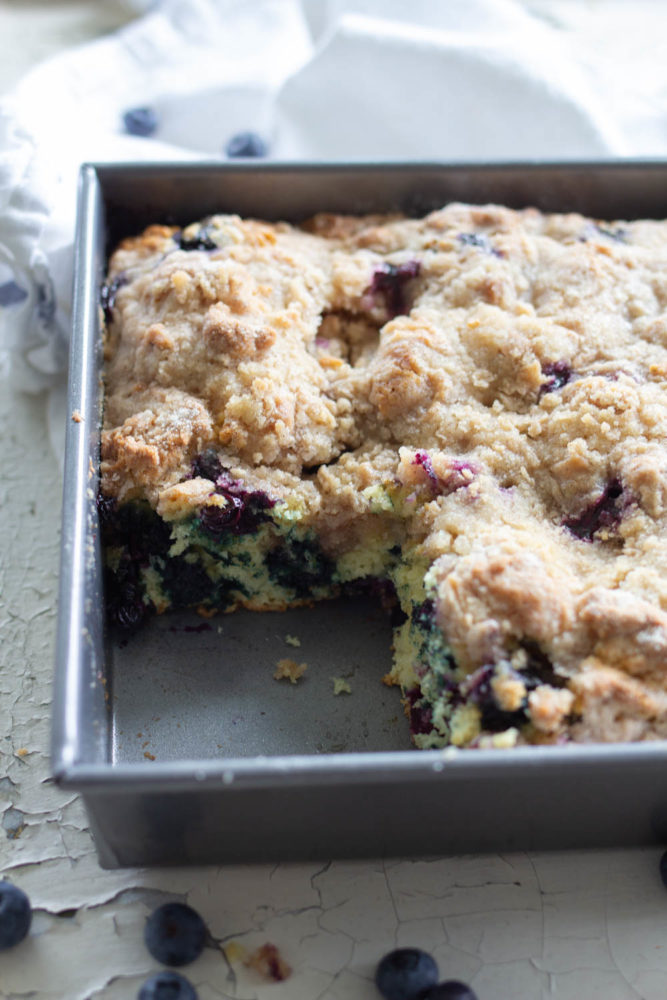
(231, 765)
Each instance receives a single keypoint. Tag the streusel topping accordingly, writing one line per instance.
(484, 387)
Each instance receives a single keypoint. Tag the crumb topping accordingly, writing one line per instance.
(483, 390)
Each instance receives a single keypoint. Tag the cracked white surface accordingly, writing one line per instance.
(572, 925)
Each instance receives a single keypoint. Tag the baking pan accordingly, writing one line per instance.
(183, 746)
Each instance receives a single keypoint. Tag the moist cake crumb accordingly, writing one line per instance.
(289, 670)
(464, 414)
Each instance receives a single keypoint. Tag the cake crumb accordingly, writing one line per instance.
(289, 669)
(22, 752)
(340, 686)
(292, 640)
(234, 952)
(76, 417)
(149, 756)
(268, 961)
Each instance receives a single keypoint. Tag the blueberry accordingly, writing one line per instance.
(405, 973)
(203, 240)
(605, 512)
(167, 986)
(244, 511)
(663, 868)
(558, 374)
(130, 614)
(421, 713)
(245, 144)
(11, 294)
(140, 121)
(217, 520)
(452, 989)
(175, 934)
(108, 295)
(207, 465)
(480, 691)
(15, 915)
(389, 282)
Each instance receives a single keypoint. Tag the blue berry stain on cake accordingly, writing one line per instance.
(390, 284)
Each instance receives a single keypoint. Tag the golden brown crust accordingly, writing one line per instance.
(525, 355)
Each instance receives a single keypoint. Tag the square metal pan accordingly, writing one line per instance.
(184, 748)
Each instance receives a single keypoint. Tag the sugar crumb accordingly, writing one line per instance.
(292, 640)
(340, 686)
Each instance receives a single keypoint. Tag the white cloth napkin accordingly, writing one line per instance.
(318, 79)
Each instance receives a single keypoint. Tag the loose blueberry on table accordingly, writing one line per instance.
(11, 294)
(452, 989)
(175, 934)
(167, 986)
(15, 915)
(246, 144)
(140, 121)
(404, 974)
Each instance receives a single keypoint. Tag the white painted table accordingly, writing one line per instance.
(576, 926)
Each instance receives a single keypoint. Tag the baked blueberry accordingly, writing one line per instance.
(141, 121)
(405, 973)
(420, 712)
(175, 934)
(246, 144)
(207, 465)
(217, 520)
(605, 512)
(452, 989)
(15, 915)
(201, 240)
(479, 690)
(167, 986)
(108, 295)
(558, 374)
(389, 281)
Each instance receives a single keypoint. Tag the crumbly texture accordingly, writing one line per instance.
(471, 406)
(287, 669)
